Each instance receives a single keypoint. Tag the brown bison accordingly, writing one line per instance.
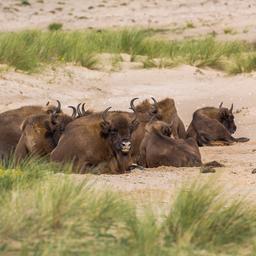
(10, 122)
(213, 126)
(163, 110)
(159, 149)
(96, 138)
(40, 134)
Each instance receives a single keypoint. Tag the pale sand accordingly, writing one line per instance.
(190, 88)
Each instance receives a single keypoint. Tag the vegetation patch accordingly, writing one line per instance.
(28, 50)
(56, 215)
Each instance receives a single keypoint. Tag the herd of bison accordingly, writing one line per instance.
(151, 134)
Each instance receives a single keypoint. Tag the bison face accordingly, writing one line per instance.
(227, 119)
(118, 132)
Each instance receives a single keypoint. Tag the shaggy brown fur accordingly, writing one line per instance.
(90, 140)
(10, 122)
(40, 134)
(213, 126)
(159, 149)
(164, 111)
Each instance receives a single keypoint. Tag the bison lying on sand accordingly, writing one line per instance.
(213, 126)
(40, 134)
(158, 148)
(96, 138)
(10, 122)
(163, 110)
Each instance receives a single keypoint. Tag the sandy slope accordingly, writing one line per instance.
(207, 16)
(190, 87)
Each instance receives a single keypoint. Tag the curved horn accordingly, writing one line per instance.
(155, 103)
(220, 106)
(74, 111)
(104, 114)
(48, 102)
(231, 108)
(83, 110)
(132, 107)
(58, 107)
(79, 113)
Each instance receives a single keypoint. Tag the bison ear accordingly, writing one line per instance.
(105, 129)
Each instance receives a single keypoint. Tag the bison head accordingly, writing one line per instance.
(42, 132)
(49, 108)
(118, 129)
(226, 117)
(163, 110)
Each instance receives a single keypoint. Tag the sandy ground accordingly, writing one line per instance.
(191, 88)
(174, 17)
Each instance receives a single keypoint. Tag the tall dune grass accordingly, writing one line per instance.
(27, 50)
(60, 216)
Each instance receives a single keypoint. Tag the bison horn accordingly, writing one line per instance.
(155, 104)
(48, 102)
(231, 108)
(83, 110)
(74, 111)
(220, 106)
(58, 107)
(132, 107)
(104, 114)
(79, 113)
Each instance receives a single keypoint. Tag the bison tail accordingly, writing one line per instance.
(213, 164)
(242, 139)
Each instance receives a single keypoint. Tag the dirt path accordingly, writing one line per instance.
(191, 88)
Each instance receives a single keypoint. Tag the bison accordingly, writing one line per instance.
(159, 149)
(163, 110)
(10, 122)
(40, 134)
(96, 138)
(213, 126)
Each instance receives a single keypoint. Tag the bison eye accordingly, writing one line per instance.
(113, 131)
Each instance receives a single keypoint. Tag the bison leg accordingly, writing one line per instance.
(242, 139)
(21, 150)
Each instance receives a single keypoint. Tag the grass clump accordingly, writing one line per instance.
(55, 26)
(25, 2)
(28, 50)
(230, 31)
(60, 216)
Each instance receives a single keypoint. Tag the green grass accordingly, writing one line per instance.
(230, 31)
(59, 215)
(25, 2)
(29, 50)
(55, 26)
